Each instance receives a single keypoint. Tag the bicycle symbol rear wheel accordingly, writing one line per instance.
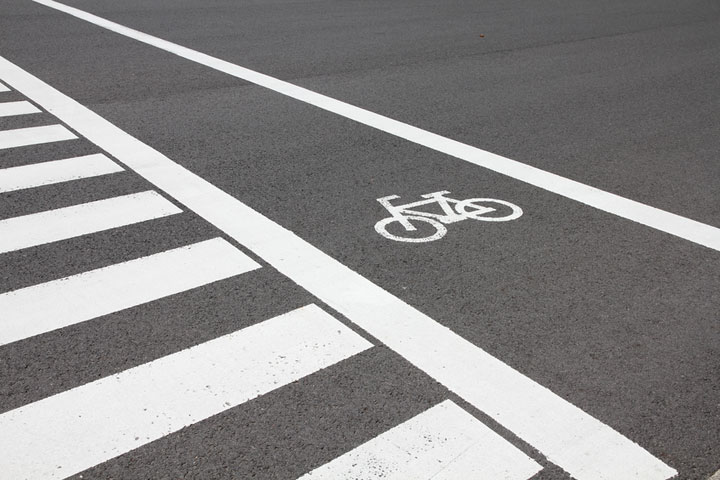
(381, 227)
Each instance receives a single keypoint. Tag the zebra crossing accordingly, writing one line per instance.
(129, 409)
(121, 412)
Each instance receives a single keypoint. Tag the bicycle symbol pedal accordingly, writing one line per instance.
(433, 224)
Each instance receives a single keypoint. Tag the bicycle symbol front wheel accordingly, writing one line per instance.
(488, 209)
(437, 233)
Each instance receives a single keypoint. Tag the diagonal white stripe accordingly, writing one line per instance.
(69, 432)
(63, 223)
(49, 306)
(56, 171)
(442, 443)
(21, 137)
(8, 109)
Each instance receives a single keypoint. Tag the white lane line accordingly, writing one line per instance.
(67, 433)
(63, 223)
(8, 109)
(56, 171)
(21, 137)
(442, 443)
(4, 88)
(677, 225)
(570, 438)
(56, 304)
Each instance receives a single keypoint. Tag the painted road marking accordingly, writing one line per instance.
(21, 137)
(74, 430)
(63, 223)
(442, 443)
(56, 304)
(4, 88)
(677, 225)
(452, 211)
(56, 171)
(583, 446)
(8, 109)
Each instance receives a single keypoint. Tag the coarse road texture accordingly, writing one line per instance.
(153, 327)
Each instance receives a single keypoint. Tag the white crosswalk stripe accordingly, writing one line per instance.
(116, 414)
(63, 223)
(56, 171)
(42, 308)
(9, 109)
(21, 137)
(442, 443)
(4, 88)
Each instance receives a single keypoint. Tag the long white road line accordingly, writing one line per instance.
(56, 304)
(56, 171)
(68, 222)
(67, 433)
(9, 109)
(570, 438)
(442, 443)
(686, 228)
(21, 137)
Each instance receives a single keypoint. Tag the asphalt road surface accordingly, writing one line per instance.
(266, 239)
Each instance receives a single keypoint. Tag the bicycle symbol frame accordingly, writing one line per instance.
(452, 211)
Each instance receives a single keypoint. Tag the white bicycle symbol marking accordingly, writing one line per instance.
(474, 208)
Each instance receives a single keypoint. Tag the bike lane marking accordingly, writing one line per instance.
(403, 215)
(570, 438)
(647, 215)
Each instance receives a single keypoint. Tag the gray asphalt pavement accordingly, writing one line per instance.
(619, 319)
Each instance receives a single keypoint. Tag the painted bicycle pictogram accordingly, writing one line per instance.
(411, 219)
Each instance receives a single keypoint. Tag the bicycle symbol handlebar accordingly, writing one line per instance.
(483, 209)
